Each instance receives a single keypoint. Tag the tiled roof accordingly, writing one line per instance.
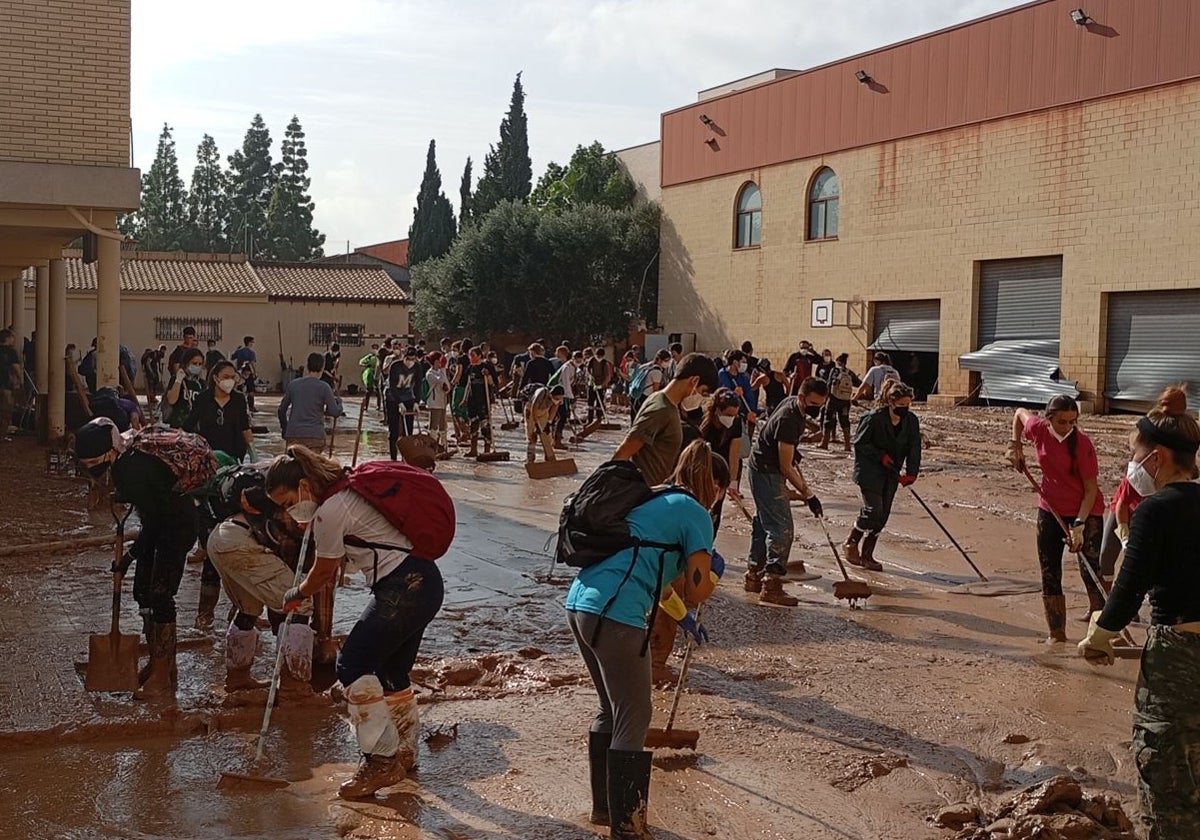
(323, 281)
(180, 277)
(395, 251)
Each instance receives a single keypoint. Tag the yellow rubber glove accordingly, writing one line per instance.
(673, 605)
(1097, 647)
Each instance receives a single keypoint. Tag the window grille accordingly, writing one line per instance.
(347, 335)
(171, 328)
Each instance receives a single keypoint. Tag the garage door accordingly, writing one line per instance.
(912, 325)
(1153, 341)
(1020, 310)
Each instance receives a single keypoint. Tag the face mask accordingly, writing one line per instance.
(226, 385)
(1061, 438)
(692, 402)
(726, 420)
(900, 410)
(195, 370)
(1140, 479)
(827, 359)
(303, 512)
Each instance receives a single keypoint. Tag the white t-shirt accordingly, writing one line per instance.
(437, 394)
(567, 379)
(876, 376)
(347, 514)
(654, 379)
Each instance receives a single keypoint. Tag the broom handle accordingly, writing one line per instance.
(358, 435)
(833, 547)
(287, 622)
(683, 669)
(949, 536)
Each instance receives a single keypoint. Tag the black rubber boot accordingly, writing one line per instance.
(850, 546)
(868, 552)
(210, 593)
(598, 744)
(160, 680)
(1055, 607)
(628, 794)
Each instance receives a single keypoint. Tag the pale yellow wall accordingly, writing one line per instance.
(379, 320)
(65, 91)
(644, 165)
(1111, 185)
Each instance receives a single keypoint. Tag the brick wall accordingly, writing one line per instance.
(1112, 185)
(65, 95)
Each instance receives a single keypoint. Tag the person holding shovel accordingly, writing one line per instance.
(400, 397)
(1162, 560)
(540, 413)
(1069, 488)
(607, 610)
(888, 438)
(480, 377)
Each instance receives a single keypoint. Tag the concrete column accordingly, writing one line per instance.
(108, 312)
(56, 345)
(5, 303)
(41, 322)
(19, 321)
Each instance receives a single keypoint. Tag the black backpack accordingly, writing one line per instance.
(105, 403)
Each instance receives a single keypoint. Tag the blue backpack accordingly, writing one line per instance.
(638, 385)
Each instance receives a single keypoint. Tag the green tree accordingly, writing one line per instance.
(251, 179)
(433, 228)
(162, 220)
(290, 233)
(507, 169)
(208, 200)
(466, 200)
(593, 176)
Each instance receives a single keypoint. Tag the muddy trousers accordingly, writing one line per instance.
(1110, 546)
(621, 674)
(168, 532)
(595, 404)
(1050, 547)
(385, 639)
(399, 419)
(1166, 735)
(877, 499)
(771, 532)
(837, 413)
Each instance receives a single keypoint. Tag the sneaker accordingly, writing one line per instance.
(374, 773)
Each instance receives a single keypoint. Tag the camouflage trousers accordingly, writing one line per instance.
(1166, 735)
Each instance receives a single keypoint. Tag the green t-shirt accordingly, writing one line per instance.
(660, 430)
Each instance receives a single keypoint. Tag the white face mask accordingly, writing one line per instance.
(1140, 479)
(726, 420)
(692, 402)
(303, 512)
(227, 385)
(1062, 438)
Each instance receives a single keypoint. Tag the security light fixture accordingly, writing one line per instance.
(863, 76)
(706, 119)
(1080, 17)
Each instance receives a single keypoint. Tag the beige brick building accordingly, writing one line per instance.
(64, 169)
(1022, 135)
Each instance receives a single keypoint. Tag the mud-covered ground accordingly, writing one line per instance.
(816, 722)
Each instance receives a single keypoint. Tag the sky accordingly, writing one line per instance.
(373, 81)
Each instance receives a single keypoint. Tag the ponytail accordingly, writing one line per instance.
(694, 472)
(300, 462)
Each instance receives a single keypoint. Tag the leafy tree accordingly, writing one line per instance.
(433, 227)
(593, 176)
(507, 169)
(162, 220)
(251, 180)
(466, 200)
(290, 234)
(208, 200)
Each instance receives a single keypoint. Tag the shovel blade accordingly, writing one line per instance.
(487, 457)
(508, 426)
(585, 431)
(672, 739)
(551, 469)
(112, 662)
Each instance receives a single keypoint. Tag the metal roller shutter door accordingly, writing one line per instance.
(910, 325)
(1153, 341)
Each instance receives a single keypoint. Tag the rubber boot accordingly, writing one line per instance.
(825, 440)
(402, 706)
(628, 794)
(868, 553)
(850, 547)
(1095, 597)
(210, 593)
(773, 593)
(1055, 607)
(598, 744)
(393, 449)
(846, 434)
(662, 642)
(160, 679)
(240, 647)
(295, 678)
(374, 773)
(378, 740)
(558, 442)
(752, 582)
(474, 451)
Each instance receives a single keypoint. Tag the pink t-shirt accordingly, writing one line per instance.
(1062, 487)
(1126, 494)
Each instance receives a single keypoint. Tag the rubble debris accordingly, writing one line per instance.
(1056, 809)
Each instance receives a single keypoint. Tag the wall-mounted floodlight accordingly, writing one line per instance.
(863, 76)
(1080, 17)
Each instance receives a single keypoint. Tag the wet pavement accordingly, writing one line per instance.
(795, 706)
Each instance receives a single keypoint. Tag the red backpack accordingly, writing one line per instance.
(410, 498)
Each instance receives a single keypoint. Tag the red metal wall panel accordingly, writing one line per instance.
(1026, 59)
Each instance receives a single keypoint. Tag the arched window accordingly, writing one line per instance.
(749, 216)
(823, 206)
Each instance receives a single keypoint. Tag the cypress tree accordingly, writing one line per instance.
(163, 218)
(290, 232)
(433, 227)
(507, 169)
(208, 199)
(465, 199)
(251, 180)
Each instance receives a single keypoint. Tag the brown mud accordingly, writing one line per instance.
(815, 721)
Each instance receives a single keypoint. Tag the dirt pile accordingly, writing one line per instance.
(868, 768)
(1056, 809)
(525, 671)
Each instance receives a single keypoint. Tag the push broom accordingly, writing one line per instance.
(672, 738)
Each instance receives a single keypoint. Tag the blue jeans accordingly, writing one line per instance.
(385, 640)
(771, 536)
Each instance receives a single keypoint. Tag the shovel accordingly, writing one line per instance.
(552, 466)
(113, 656)
(845, 589)
(495, 454)
(672, 738)
(510, 421)
(362, 412)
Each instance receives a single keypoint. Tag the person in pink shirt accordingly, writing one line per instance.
(1116, 528)
(1070, 470)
